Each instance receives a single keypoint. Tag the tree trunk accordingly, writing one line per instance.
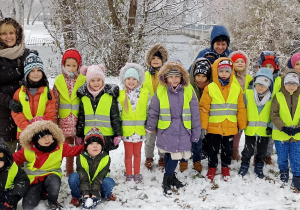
(29, 12)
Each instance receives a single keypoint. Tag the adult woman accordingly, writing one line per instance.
(12, 55)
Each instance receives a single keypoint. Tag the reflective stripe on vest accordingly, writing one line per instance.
(219, 109)
(277, 86)
(285, 116)
(248, 79)
(101, 118)
(257, 123)
(12, 172)
(134, 122)
(165, 113)
(101, 165)
(67, 104)
(50, 166)
(26, 105)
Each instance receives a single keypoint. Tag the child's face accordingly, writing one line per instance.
(1, 164)
(94, 149)
(156, 62)
(71, 65)
(131, 83)
(9, 38)
(260, 88)
(174, 80)
(239, 65)
(223, 74)
(46, 140)
(200, 79)
(297, 66)
(220, 47)
(96, 84)
(291, 87)
(270, 66)
(35, 75)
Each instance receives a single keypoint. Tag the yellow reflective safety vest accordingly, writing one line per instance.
(101, 118)
(165, 113)
(26, 105)
(219, 109)
(248, 79)
(51, 165)
(67, 104)
(277, 85)
(285, 115)
(102, 164)
(12, 173)
(134, 122)
(257, 123)
(148, 83)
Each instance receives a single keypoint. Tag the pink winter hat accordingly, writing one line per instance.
(93, 71)
(294, 59)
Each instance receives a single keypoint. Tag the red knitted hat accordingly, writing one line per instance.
(72, 53)
(237, 56)
(269, 61)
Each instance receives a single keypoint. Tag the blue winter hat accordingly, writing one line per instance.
(132, 72)
(32, 61)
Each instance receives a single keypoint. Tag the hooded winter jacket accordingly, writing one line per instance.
(225, 128)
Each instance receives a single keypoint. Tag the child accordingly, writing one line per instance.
(174, 112)
(241, 66)
(91, 179)
(223, 112)
(35, 96)
(66, 101)
(133, 102)
(295, 62)
(13, 180)
(43, 148)
(269, 60)
(157, 55)
(200, 77)
(285, 115)
(258, 102)
(98, 108)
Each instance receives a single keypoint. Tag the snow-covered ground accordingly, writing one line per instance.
(247, 193)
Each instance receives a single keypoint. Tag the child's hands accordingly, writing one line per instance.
(149, 131)
(117, 140)
(79, 140)
(95, 202)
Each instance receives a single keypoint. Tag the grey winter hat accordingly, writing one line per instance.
(173, 72)
(291, 77)
(263, 80)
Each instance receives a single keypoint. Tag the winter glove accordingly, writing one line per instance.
(15, 106)
(203, 133)
(117, 140)
(268, 131)
(5, 206)
(288, 130)
(95, 202)
(112, 90)
(79, 140)
(296, 130)
(87, 203)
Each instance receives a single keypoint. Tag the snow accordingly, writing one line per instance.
(89, 202)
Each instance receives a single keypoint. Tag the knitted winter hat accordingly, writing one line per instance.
(93, 71)
(173, 72)
(291, 77)
(211, 56)
(94, 135)
(268, 57)
(294, 59)
(37, 136)
(32, 61)
(132, 72)
(263, 80)
(225, 65)
(72, 53)
(158, 54)
(203, 67)
(237, 56)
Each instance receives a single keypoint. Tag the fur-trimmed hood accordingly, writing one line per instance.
(19, 30)
(173, 65)
(157, 47)
(35, 127)
(245, 55)
(139, 69)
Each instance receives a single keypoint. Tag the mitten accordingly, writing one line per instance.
(268, 131)
(87, 203)
(203, 133)
(117, 140)
(95, 202)
(296, 130)
(288, 130)
(15, 106)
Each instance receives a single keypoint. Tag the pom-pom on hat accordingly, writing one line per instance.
(294, 59)
(93, 71)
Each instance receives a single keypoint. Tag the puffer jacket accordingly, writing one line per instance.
(176, 138)
(41, 157)
(225, 128)
(21, 181)
(20, 118)
(291, 100)
(114, 112)
(11, 75)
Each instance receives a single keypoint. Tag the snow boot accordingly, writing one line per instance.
(211, 174)
(161, 163)
(198, 166)
(244, 169)
(137, 178)
(268, 160)
(258, 169)
(183, 166)
(128, 178)
(296, 182)
(167, 182)
(236, 156)
(284, 176)
(175, 182)
(225, 173)
(149, 163)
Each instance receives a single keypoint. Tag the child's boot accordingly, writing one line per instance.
(137, 178)
(211, 173)
(236, 155)
(296, 182)
(225, 173)
(183, 166)
(244, 169)
(167, 182)
(128, 177)
(161, 163)
(149, 163)
(198, 166)
(284, 176)
(258, 169)
(76, 202)
(55, 206)
(175, 182)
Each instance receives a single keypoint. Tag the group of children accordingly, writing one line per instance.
(84, 116)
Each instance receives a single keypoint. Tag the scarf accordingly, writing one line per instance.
(13, 52)
(70, 75)
(224, 82)
(94, 92)
(261, 99)
(46, 149)
(152, 70)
